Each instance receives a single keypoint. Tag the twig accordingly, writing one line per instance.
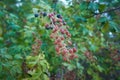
(104, 11)
(107, 11)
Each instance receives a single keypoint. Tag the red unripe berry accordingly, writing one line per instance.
(55, 29)
(51, 36)
(74, 50)
(64, 58)
(57, 49)
(60, 24)
(55, 42)
(54, 20)
(87, 53)
(64, 45)
(59, 20)
(56, 37)
(64, 51)
(56, 26)
(46, 25)
(75, 56)
(62, 31)
(50, 15)
(60, 45)
(58, 40)
(62, 38)
(39, 42)
(71, 57)
(69, 35)
(71, 51)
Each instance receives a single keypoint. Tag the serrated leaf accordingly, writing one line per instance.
(32, 72)
(83, 6)
(89, 71)
(114, 26)
(1, 39)
(45, 77)
(105, 28)
(79, 66)
(8, 56)
(69, 66)
(18, 56)
(65, 64)
(102, 7)
(99, 68)
(93, 6)
(102, 19)
(93, 47)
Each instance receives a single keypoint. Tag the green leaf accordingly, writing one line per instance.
(83, 49)
(93, 47)
(102, 7)
(93, 6)
(1, 39)
(0, 67)
(18, 56)
(83, 6)
(89, 71)
(114, 26)
(96, 77)
(105, 28)
(102, 19)
(69, 66)
(15, 27)
(1, 14)
(99, 68)
(79, 66)
(45, 77)
(8, 56)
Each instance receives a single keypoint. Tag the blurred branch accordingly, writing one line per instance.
(108, 11)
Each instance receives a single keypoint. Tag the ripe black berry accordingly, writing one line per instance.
(36, 15)
(44, 14)
(64, 23)
(47, 28)
(51, 28)
(59, 16)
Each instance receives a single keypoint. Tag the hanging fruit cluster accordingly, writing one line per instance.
(36, 47)
(61, 36)
(89, 55)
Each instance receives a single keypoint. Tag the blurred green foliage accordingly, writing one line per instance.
(95, 33)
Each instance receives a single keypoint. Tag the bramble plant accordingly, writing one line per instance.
(35, 66)
(60, 35)
(50, 40)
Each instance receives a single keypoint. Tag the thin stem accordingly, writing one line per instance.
(104, 11)
(108, 11)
